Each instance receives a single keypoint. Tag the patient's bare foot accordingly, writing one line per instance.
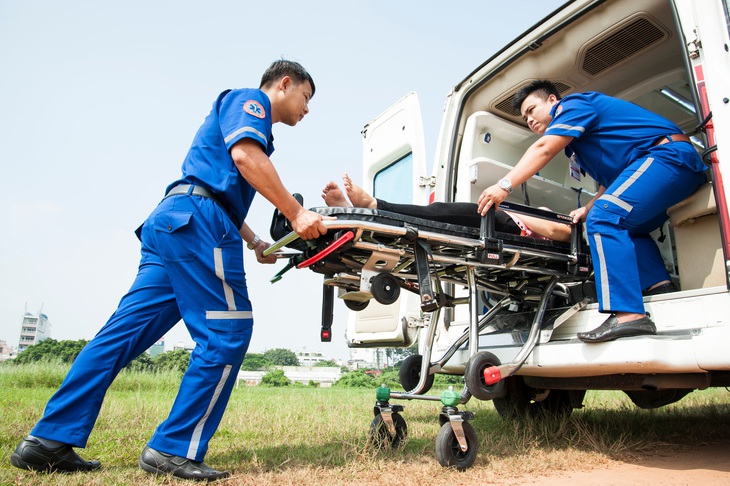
(359, 198)
(333, 196)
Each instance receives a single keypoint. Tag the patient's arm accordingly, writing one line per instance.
(548, 229)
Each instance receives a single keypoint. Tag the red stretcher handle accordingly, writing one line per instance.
(332, 247)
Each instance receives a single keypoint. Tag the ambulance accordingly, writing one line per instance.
(669, 56)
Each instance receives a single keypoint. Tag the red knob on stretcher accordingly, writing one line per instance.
(492, 375)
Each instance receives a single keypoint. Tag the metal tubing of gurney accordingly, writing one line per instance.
(281, 243)
(491, 314)
(459, 261)
(508, 369)
(426, 358)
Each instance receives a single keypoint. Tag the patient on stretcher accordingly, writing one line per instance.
(465, 214)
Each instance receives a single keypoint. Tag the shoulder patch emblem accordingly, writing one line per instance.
(254, 108)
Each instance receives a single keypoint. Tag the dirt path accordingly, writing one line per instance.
(705, 466)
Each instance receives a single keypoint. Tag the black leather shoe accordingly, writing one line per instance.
(31, 454)
(157, 462)
(664, 288)
(611, 329)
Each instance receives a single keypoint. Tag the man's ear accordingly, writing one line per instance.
(285, 83)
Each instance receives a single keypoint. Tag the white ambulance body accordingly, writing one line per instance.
(669, 56)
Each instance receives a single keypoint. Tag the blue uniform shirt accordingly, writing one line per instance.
(607, 131)
(236, 114)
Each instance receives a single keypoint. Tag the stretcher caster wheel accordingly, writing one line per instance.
(385, 288)
(356, 305)
(410, 374)
(380, 436)
(482, 376)
(448, 450)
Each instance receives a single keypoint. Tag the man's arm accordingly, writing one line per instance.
(534, 159)
(255, 166)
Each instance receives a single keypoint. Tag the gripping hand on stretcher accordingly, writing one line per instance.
(308, 224)
(491, 196)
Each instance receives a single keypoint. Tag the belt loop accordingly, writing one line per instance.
(191, 188)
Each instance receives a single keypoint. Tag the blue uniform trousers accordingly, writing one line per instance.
(626, 259)
(191, 268)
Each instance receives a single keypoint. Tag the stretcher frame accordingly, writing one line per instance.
(374, 254)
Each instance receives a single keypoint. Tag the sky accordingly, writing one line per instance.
(99, 102)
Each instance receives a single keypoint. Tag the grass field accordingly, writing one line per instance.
(318, 436)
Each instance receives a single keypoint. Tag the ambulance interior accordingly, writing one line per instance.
(629, 49)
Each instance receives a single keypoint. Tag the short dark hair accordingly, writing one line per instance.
(281, 68)
(542, 86)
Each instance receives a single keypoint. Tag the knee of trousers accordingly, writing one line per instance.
(228, 347)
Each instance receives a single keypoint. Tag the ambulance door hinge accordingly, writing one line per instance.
(694, 46)
(429, 181)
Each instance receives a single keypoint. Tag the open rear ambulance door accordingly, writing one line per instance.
(394, 169)
(706, 27)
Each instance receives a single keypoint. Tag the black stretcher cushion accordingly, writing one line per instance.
(402, 220)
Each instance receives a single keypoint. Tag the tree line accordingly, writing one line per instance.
(66, 351)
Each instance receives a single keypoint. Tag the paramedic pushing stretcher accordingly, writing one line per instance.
(643, 163)
(191, 268)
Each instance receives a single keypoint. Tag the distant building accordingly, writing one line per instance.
(307, 358)
(35, 328)
(186, 346)
(323, 376)
(6, 352)
(157, 348)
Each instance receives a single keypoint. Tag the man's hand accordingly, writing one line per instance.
(579, 215)
(259, 249)
(491, 196)
(308, 224)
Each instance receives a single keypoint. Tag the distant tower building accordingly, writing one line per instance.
(35, 328)
(157, 348)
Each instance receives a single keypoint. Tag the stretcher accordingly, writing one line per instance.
(512, 282)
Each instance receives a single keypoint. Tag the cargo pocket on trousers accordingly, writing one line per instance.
(176, 241)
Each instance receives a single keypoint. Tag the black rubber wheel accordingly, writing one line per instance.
(409, 373)
(474, 376)
(448, 452)
(519, 402)
(379, 437)
(356, 305)
(384, 288)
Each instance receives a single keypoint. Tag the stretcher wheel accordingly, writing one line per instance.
(356, 305)
(385, 288)
(474, 376)
(410, 374)
(448, 452)
(379, 437)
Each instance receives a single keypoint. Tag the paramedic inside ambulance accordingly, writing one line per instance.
(643, 163)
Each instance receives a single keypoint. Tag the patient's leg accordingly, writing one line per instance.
(358, 196)
(333, 196)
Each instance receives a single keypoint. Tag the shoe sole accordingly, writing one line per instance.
(152, 469)
(157, 471)
(605, 339)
